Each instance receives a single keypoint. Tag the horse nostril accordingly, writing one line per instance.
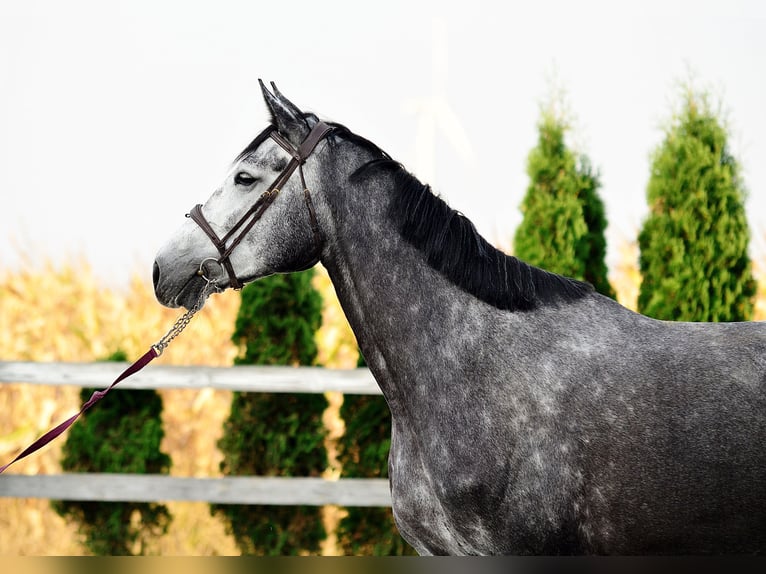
(156, 274)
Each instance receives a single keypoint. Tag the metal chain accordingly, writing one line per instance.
(183, 321)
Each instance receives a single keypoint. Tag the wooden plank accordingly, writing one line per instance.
(225, 490)
(237, 378)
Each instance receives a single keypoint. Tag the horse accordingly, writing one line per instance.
(530, 414)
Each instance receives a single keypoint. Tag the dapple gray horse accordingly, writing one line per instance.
(530, 414)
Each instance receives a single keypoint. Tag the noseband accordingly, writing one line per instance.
(256, 211)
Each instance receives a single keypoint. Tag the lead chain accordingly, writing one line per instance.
(183, 321)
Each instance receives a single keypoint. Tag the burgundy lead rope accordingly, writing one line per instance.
(154, 352)
(94, 398)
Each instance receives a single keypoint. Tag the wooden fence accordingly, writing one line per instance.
(226, 490)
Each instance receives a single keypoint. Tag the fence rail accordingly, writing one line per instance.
(256, 379)
(227, 490)
(224, 490)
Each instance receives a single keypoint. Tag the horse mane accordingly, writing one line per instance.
(453, 246)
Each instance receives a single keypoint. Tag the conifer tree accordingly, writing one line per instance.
(122, 435)
(363, 453)
(694, 260)
(564, 221)
(270, 434)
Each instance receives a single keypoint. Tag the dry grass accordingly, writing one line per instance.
(626, 278)
(61, 313)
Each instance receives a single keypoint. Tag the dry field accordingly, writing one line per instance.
(61, 313)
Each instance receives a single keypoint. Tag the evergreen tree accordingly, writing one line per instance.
(121, 435)
(563, 225)
(694, 260)
(276, 434)
(363, 453)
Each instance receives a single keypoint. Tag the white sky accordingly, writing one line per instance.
(117, 117)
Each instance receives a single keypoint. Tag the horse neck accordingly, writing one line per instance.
(408, 319)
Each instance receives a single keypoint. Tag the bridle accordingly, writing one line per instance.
(256, 211)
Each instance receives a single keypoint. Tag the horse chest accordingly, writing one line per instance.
(445, 504)
(424, 509)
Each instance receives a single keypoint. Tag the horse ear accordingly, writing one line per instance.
(284, 114)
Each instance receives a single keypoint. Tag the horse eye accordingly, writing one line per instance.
(245, 179)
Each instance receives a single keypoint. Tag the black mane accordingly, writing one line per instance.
(454, 247)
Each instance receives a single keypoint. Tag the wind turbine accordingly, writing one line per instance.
(434, 112)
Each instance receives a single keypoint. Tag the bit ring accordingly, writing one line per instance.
(202, 272)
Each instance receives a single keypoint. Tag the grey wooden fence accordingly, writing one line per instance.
(226, 490)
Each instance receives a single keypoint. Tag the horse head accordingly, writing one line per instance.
(260, 221)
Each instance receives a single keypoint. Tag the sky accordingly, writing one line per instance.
(117, 117)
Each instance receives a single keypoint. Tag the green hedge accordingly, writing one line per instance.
(276, 434)
(564, 219)
(363, 453)
(694, 243)
(121, 434)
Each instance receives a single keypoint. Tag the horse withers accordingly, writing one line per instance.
(530, 415)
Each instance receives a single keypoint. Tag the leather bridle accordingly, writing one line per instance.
(256, 211)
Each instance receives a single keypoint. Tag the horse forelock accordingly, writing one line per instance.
(256, 143)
